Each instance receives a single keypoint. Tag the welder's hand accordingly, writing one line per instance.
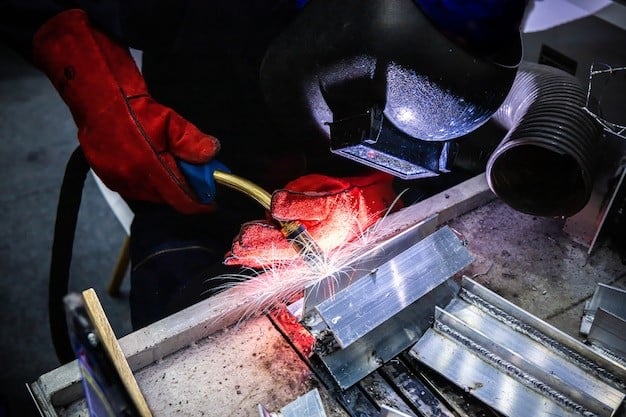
(334, 211)
(132, 142)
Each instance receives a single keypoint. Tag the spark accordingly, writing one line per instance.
(282, 282)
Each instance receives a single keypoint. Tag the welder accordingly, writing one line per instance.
(260, 87)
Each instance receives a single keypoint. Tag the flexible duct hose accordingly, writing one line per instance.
(544, 165)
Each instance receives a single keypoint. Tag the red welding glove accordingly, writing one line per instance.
(131, 142)
(334, 211)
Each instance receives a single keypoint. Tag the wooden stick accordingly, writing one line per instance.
(113, 350)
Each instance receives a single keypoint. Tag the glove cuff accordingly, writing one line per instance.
(70, 51)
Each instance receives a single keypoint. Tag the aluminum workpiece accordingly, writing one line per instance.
(192, 364)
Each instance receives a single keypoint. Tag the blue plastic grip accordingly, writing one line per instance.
(200, 177)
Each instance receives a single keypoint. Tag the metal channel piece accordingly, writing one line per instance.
(610, 299)
(309, 405)
(609, 332)
(406, 227)
(367, 303)
(375, 338)
(370, 259)
(348, 366)
(538, 329)
(516, 368)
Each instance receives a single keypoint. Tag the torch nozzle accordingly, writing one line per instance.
(293, 230)
(303, 243)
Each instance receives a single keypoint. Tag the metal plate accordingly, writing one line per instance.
(515, 363)
(393, 286)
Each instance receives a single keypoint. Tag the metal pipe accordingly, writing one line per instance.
(545, 163)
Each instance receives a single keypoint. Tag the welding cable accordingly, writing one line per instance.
(68, 207)
(293, 230)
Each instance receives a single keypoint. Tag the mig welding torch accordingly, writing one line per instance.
(203, 178)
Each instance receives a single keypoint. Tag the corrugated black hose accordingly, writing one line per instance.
(62, 246)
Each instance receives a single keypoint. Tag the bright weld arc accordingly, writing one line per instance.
(281, 282)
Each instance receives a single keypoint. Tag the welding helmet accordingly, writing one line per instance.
(390, 83)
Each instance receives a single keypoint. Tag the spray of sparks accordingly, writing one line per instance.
(281, 282)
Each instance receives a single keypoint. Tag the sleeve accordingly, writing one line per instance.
(20, 19)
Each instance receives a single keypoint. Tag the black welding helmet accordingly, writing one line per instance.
(391, 82)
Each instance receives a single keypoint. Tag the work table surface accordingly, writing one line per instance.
(528, 260)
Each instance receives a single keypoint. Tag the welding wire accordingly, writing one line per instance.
(293, 230)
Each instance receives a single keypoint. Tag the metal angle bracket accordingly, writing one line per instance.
(516, 363)
(607, 297)
(363, 263)
(309, 405)
(375, 318)
(604, 322)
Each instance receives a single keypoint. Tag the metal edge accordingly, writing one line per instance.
(39, 398)
(609, 331)
(608, 297)
(420, 269)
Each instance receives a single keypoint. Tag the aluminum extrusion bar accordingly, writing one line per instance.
(373, 320)
(365, 263)
(492, 350)
(406, 227)
(611, 299)
(348, 366)
(310, 405)
(609, 332)
(367, 303)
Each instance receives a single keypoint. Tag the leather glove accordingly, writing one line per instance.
(333, 210)
(131, 142)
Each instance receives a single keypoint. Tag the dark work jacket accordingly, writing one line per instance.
(202, 58)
